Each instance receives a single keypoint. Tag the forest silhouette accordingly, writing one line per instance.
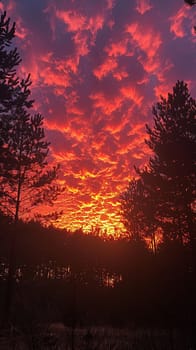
(144, 278)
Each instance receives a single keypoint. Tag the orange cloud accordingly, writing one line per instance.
(177, 22)
(79, 25)
(120, 74)
(152, 65)
(9, 6)
(107, 105)
(130, 92)
(108, 66)
(95, 23)
(162, 89)
(147, 39)
(110, 4)
(21, 31)
(143, 6)
(118, 48)
(115, 125)
(75, 21)
(51, 77)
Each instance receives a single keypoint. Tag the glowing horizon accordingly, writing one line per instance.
(97, 68)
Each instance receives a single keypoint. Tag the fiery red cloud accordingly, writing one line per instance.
(97, 67)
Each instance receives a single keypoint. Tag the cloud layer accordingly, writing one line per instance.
(97, 67)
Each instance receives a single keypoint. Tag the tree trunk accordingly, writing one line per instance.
(9, 292)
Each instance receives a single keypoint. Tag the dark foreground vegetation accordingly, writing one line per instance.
(97, 338)
(83, 283)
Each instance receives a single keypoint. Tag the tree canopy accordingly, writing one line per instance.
(190, 2)
(169, 178)
(25, 179)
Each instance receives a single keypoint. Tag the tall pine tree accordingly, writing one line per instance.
(26, 181)
(171, 173)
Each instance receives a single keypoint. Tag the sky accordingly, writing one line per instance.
(97, 67)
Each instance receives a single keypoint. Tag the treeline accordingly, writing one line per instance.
(73, 277)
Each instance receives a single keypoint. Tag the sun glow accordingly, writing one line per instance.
(96, 70)
(92, 218)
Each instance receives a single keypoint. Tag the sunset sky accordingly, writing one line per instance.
(97, 66)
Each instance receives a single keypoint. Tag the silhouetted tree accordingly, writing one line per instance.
(25, 179)
(131, 209)
(138, 208)
(190, 2)
(9, 60)
(171, 172)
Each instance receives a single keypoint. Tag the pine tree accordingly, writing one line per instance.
(26, 181)
(131, 210)
(190, 2)
(137, 209)
(171, 171)
(9, 60)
